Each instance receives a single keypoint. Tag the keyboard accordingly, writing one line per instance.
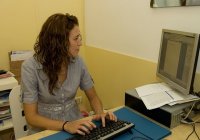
(111, 130)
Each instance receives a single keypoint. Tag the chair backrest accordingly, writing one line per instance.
(18, 117)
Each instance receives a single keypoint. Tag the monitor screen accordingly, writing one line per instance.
(178, 59)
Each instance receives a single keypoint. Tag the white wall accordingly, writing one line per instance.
(131, 27)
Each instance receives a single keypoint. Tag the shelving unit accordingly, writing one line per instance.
(7, 125)
(6, 85)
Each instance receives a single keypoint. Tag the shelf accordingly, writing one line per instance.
(6, 124)
(5, 104)
(6, 84)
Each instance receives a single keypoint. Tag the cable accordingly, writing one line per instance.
(193, 131)
(196, 132)
(196, 121)
(189, 111)
(190, 133)
(187, 120)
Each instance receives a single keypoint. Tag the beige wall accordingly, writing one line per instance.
(21, 21)
(114, 73)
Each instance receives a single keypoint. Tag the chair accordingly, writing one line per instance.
(18, 118)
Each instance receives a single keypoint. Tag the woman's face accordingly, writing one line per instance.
(75, 41)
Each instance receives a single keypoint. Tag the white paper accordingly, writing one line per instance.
(148, 89)
(20, 55)
(156, 100)
(181, 98)
(8, 83)
(152, 88)
(159, 94)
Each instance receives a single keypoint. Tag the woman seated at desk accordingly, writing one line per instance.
(51, 77)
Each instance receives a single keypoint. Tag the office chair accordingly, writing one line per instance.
(18, 117)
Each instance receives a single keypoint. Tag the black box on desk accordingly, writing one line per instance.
(169, 116)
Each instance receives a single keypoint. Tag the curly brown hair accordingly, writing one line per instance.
(51, 46)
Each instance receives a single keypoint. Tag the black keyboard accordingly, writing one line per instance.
(111, 130)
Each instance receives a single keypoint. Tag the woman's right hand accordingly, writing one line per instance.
(82, 126)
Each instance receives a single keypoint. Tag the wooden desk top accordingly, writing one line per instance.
(180, 132)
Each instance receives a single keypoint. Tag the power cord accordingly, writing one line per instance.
(193, 123)
(187, 120)
(193, 131)
(185, 117)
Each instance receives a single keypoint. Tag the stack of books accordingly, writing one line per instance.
(4, 106)
(5, 74)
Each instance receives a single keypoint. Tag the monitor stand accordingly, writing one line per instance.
(169, 116)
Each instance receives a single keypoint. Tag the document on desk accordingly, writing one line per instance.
(154, 95)
(156, 100)
(181, 98)
(152, 88)
(159, 94)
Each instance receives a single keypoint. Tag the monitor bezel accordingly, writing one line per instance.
(193, 64)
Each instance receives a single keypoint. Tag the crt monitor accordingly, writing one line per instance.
(178, 59)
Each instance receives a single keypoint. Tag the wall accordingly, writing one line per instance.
(132, 28)
(21, 21)
(123, 40)
(114, 73)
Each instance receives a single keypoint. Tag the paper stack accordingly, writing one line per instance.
(159, 94)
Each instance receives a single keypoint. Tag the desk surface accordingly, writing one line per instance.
(179, 132)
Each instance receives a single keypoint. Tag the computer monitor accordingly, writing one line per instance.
(178, 59)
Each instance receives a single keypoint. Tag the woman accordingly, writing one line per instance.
(50, 80)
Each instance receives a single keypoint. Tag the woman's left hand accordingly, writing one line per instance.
(108, 115)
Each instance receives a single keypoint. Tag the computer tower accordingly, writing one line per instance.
(169, 116)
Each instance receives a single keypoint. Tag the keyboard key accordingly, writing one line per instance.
(111, 130)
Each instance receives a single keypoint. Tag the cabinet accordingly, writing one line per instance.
(6, 85)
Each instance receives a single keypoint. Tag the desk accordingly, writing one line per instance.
(178, 133)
